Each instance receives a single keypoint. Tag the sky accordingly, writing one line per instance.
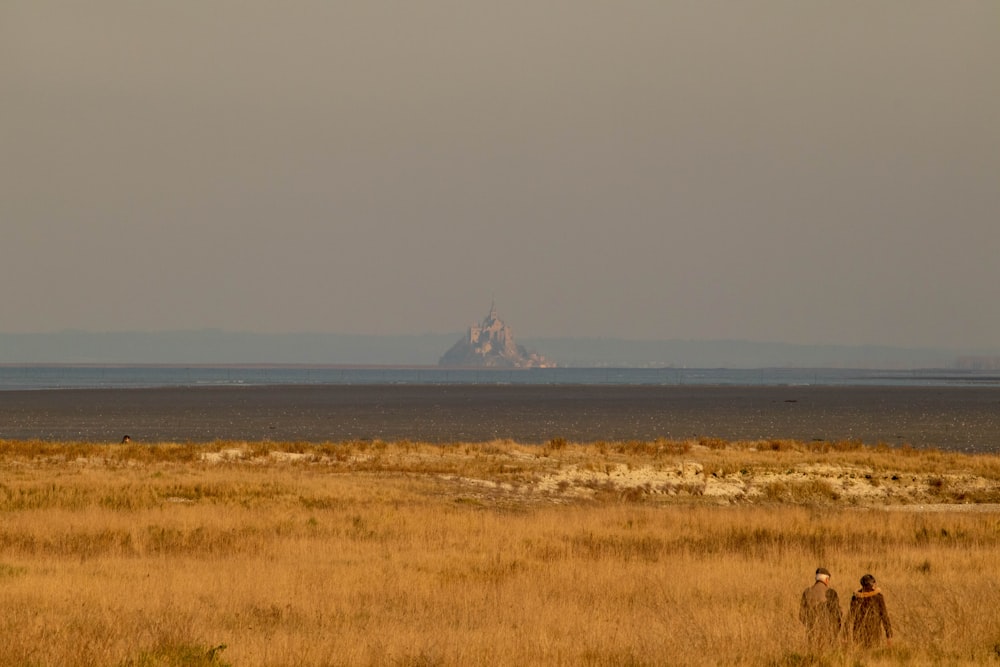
(818, 173)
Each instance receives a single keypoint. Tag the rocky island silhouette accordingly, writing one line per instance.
(491, 344)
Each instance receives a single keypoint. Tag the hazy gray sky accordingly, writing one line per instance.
(812, 172)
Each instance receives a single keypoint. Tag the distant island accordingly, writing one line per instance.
(491, 344)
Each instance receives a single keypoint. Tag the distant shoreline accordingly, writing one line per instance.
(234, 347)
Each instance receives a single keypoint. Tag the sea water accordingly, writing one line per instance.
(19, 377)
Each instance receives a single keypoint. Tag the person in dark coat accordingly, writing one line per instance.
(868, 618)
(819, 611)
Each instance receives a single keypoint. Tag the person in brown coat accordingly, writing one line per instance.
(868, 617)
(819, 611)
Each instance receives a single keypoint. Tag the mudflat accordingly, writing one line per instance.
(950, 418)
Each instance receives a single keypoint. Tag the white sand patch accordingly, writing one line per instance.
(565, 478)
(813, 482)
(729, 487)
(224, 455)
(688, 477)
(290, 457)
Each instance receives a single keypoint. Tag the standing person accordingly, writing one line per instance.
(868, 617)
(819, 611)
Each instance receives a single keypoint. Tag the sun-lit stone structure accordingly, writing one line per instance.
(490, 344)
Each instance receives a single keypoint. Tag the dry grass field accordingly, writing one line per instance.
(370, 553)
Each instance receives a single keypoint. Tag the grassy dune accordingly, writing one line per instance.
(640, 553)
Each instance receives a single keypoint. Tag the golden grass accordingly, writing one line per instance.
(495, 553)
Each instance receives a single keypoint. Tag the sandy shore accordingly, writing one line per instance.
(952, 418)
(682, 473)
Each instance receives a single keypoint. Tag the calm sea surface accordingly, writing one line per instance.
(14, 377)
(949, 410)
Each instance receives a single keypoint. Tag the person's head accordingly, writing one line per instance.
(868, 583)
(823, 574)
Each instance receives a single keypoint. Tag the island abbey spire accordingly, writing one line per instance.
(491, 344)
